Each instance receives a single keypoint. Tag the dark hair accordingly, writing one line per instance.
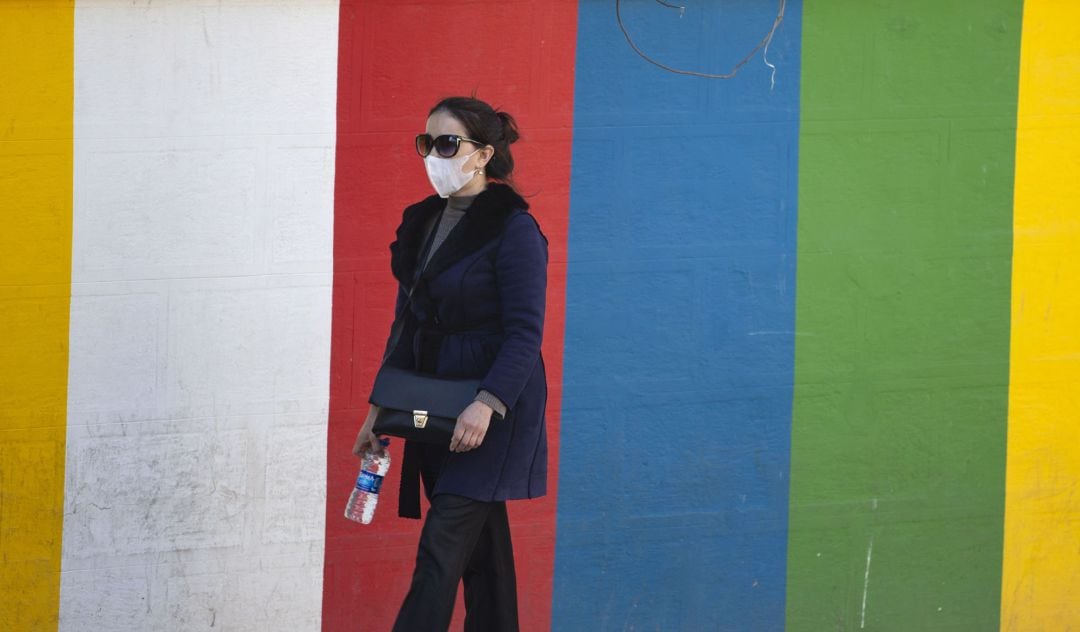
(486, 125)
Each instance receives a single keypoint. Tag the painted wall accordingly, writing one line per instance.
(387, 81)
(901, 363)
(200, 316)
(812, 335)
(680, 312)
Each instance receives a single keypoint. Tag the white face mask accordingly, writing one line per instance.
(446, 175)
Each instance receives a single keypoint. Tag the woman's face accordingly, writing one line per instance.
(441, 123)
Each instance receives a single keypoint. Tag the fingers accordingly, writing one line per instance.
(366, 440)
(468, 434)
(462, 444)
(468, 442)
(455, 440)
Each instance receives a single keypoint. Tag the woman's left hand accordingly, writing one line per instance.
(472, 425)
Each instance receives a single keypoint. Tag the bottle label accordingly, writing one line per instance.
(369, 482)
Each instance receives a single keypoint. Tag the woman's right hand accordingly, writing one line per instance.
(366, 438)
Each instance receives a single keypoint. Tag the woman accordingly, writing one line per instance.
(476, 263)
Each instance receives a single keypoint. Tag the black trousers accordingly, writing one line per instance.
(463, 540)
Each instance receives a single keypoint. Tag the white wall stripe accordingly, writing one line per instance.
(200, 315)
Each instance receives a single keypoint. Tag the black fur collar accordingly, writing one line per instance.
(483, 221)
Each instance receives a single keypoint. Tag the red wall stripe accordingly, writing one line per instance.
(395, 61)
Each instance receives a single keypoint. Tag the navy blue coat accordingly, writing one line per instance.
(478, 311)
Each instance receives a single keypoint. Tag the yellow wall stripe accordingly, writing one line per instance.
(36, 46)
(1041, 573)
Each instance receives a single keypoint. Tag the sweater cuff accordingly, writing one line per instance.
(496, 404)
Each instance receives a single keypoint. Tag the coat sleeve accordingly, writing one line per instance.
(521, 277)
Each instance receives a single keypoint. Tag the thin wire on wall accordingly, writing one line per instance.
(763, 44)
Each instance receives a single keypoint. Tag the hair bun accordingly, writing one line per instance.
(510, 128)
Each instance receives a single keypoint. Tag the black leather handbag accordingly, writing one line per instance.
(419, 407)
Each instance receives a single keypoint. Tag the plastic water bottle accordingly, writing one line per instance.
(365, 495)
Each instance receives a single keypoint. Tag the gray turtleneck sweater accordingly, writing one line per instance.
(455, 210)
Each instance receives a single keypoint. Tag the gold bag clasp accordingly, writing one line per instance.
(419, 418)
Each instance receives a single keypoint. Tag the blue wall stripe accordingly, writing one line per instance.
(678, 368)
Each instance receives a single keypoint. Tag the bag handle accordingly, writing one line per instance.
(421, 263)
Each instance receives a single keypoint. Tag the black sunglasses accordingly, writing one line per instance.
(446, 145)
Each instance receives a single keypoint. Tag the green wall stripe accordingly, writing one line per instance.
(908, 118)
